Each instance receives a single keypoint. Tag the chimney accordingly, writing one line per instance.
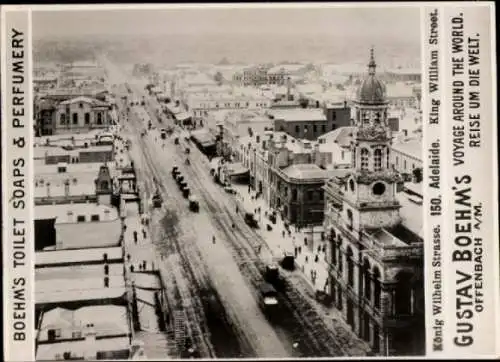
(66, 188)
(89, 334)
(288, 88)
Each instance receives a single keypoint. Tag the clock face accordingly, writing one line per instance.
(378, 188)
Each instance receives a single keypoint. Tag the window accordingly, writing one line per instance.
(342, 154)
(364, 158)
(315, 128)
(297, 129)
(80, 218)
(94, 217)
(294, 194)
(99, 118)
(404, 164)
(310, 195)
(87, 118)
(378, 189)
(349, 220)
(306, 128)
(61, 169)
(323, 128)
(377, 159)
(53, 334)
(397, 160)
(63, 118)
(75, 118)
(76, 334)
(80, 105)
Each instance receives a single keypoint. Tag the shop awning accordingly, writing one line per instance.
(236, 169)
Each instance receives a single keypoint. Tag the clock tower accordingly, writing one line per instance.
(370, 188)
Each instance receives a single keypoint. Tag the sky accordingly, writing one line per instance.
(398, 23)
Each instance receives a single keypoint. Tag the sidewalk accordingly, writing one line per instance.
(139, 258)
(310, 257)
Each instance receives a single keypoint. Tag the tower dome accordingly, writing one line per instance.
(371, 90)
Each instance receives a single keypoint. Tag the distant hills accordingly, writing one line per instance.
(225, 49)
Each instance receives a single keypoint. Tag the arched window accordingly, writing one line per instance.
(377, 288)
(367, 281)
(341, 257)
(350, 267)
(388, 159)
(377, 159)
(99, 118)
(349, 219)
(403, 294)
(365, 154)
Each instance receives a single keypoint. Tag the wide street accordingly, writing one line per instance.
(215, 285)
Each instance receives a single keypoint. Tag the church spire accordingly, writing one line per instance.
(372, 65)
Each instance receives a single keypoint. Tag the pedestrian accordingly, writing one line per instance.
(233, 225)
(300, 249)
(144, 233)
(283, 233)
(260, 248)
(305, 241)
(289, 233)
(307, 258)
(295, 251)
(316, 258)
(135, 237)
(324, 248)
(237, 209)
(319, 248)
(128, 257)
(131, 268)
(144, 264)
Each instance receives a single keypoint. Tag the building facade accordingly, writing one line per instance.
(81, 114)
(302, 123)
(376, 263)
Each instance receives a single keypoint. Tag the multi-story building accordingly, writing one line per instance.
(202, 104)
(307, 123)
(252, 76)
(402, 95)
(280, 73)
(406, 154)
(375, 255)
(81, 114)
(296, 178)
(244, 123)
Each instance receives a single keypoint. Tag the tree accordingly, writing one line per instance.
(219, 78)
(304, 102)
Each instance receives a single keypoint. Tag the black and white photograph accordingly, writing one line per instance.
(228, 183)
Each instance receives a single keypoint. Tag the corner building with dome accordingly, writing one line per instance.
(376, 263)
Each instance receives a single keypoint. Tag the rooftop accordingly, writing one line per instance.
(48, 352)
(96, 292)
(67, 213)
(299, 114)
(76, 256)
(107, 320)
(341, 136)
(305, 172)
(410, 146)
